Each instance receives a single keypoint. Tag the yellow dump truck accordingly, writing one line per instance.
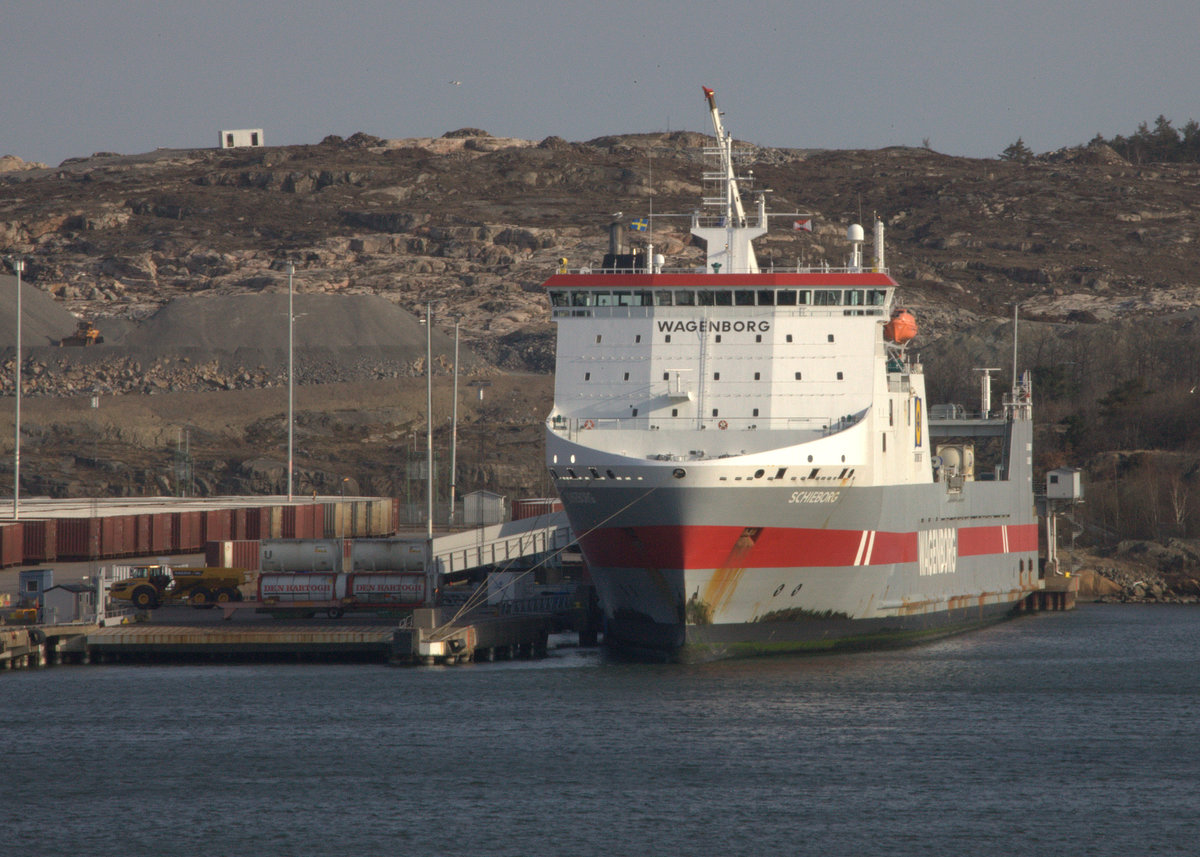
(154, 585)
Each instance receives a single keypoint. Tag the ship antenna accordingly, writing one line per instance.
(1014, 386)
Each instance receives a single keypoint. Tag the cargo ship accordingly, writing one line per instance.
(747, 457)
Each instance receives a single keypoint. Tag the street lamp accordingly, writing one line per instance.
(429, 422)
(454, 427)
(18, 266)
(291, 269)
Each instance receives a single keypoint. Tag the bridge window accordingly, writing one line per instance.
(625, 299)
(828, 297)
(743, 297)
(854, 297)
(605, 299)
(685, 297)
(582, 298)
(876, 297)
(559, 299)
(804, 297)
(704, 297)
(785, 297)
(662, 297)
(766, 297)
(724, 298)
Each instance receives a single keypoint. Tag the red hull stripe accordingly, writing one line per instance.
(712, 281)
(778, 547)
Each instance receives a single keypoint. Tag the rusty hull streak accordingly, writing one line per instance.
(720, 587)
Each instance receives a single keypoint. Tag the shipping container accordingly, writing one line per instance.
(362, 590)
(40, 541)
(532, 507)
(118, 536)
(142, 535)
(302, 522)
(186, 532)
(237, 524)
(302, 555)
(78, 538)
(12, 543)
(218, 525)
(232, 553)
(387, 554)
(160, 532)
(272, 522)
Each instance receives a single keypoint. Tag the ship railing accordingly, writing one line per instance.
(699, 269)
(577, 428)
(640, 311)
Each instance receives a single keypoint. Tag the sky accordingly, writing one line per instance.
(966, 78)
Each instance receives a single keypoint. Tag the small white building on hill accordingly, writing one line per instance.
(241, 138)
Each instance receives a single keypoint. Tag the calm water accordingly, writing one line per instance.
(1065, 734)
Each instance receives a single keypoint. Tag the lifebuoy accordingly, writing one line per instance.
(722, 425)
(589, 424)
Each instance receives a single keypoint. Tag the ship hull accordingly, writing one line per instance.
(692, 574)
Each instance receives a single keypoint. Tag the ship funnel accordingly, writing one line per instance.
(614, 237)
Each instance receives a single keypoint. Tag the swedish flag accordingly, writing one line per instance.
(639, 225)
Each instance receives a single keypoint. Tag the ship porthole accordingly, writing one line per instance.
(810, 459)
(679, 473)
(758, 474)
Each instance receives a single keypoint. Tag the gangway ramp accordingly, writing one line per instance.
(497, 544)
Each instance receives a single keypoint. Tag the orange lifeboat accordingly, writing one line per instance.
(902, 327)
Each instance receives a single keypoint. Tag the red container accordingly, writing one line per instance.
(258, 523)
(142, 534)
(237, 523)
(533, 507)
(160, 532)
(39, 541)
(118, 536)
(218, 525)
(78, 538)
(232, 553)
(186, 532)
(12, 544)
(303, 522)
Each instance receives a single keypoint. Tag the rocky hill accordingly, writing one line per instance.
(180, 257)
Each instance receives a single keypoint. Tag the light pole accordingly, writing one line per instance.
(18, 266)
(291, 269)
(453, 427)
(429, 422)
